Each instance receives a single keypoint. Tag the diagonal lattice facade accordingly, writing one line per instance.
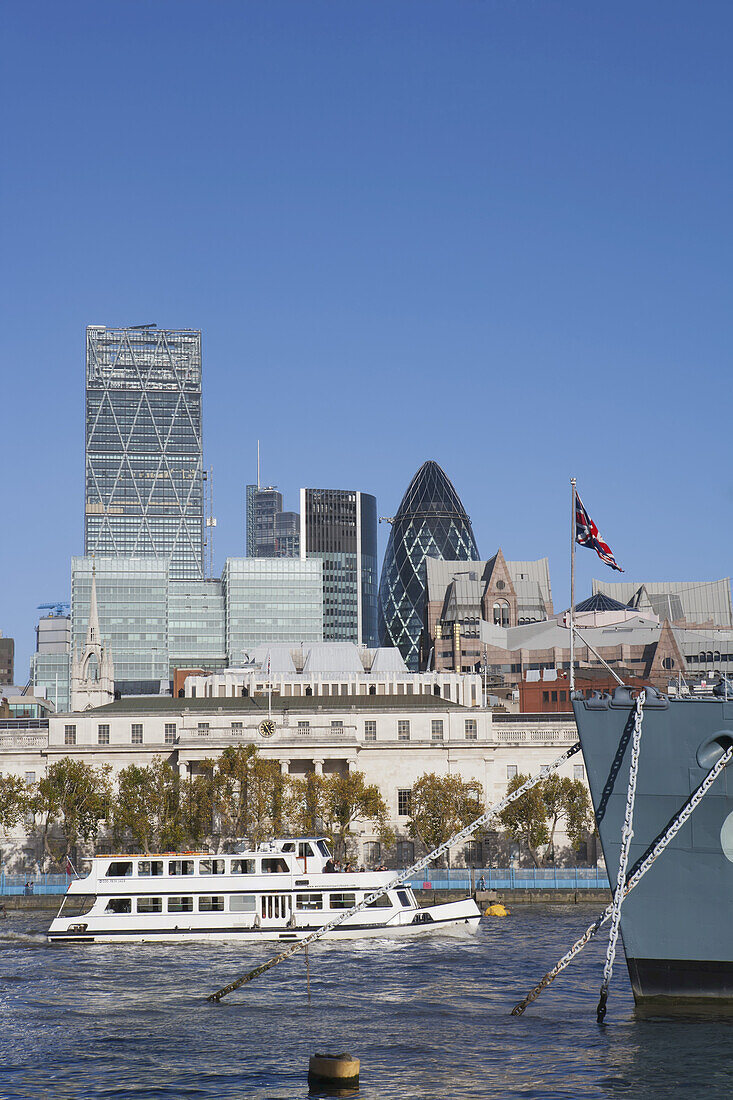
(144, 455)
(431, 522)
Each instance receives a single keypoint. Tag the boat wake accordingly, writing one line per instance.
(23, 937)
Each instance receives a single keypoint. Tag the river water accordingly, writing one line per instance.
(427, 1017)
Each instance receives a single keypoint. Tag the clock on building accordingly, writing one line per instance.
(267, 727)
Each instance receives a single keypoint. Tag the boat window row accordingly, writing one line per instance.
(153, 868)
(273, 905)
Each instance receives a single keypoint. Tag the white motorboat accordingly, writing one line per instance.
(280, 890)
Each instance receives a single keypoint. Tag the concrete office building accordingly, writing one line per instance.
(339, 528)
(263, 505)
(154, 624)
(50, 664)
(7, 656)
(144, 456)
(329, 669)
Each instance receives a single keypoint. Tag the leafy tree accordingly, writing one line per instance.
(533, 819)
(346, 799)
(15, 797)
(75, 798)
(230, 786)
(441, 805)
(526, 819)
(267, 791)
(148, 807)
(306, 803)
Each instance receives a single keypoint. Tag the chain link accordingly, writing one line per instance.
(626, 836)
(657, 848)
(403, 876)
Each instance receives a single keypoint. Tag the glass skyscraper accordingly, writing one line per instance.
(431, 522)
(339, 526)
(144, 457)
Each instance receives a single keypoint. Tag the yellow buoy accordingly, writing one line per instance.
(496, 910)
(336, 1071)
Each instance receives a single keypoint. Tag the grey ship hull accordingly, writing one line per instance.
(676, 924)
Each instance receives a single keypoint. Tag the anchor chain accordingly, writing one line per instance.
(638, 872)
(402, 877)
(627, 834)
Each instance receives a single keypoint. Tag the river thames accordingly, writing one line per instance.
(427, 1017)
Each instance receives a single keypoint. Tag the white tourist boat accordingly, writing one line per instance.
(279, 890)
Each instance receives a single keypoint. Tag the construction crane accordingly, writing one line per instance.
(55, 609)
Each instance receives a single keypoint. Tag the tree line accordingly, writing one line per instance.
(242, 794)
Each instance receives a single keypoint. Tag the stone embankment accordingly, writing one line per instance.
(518, 897)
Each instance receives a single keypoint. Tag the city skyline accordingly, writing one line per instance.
(521, 220)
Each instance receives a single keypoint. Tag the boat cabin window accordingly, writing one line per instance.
(211, 905)
(150, 905)
(305, 850)
(275, 906)
(119, 868)
(380, 903)
(180, 866)
(77, 905)
(274, 866)
(180, 905)
(343, 901)
(402, 895)
(289, 847)
(309, 901)
(212, 866)
(323, 849)
(243, 867)
(242, 903)
(119, 905)
(148, 867)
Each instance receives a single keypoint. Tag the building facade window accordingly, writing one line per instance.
(501, 613)
(578, 771)
(404, 801)
(304, 728)
(471, 729)
(202, 729)
(403, 730)
(237, 727)
(69, 735)
(405, 853)
(511, 771)
(337, 726)
(372, 852)
(103, 735)
(169, 733)
(370, 731)
(30, 777)
(473, 852)
(136, 733)
(436, 729)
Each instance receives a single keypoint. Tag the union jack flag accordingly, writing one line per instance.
(586, 533)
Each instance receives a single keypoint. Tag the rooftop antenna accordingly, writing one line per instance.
(258, 465)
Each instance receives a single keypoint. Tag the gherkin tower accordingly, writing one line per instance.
(431, 522)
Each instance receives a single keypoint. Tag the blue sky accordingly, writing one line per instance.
(496, 234)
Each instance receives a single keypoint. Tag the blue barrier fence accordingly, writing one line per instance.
(513, 878)
(438, 878)
(40, 884)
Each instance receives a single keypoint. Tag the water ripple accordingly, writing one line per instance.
(429, 1019)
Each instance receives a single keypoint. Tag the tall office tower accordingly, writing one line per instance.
(263, 504)
(144, 455)
(287, 535)
(431, 522)
(339, 526)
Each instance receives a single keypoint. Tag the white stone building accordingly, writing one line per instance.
(392, 739)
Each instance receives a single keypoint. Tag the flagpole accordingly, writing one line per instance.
(573, 533)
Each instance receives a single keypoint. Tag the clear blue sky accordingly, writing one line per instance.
(496, 234)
